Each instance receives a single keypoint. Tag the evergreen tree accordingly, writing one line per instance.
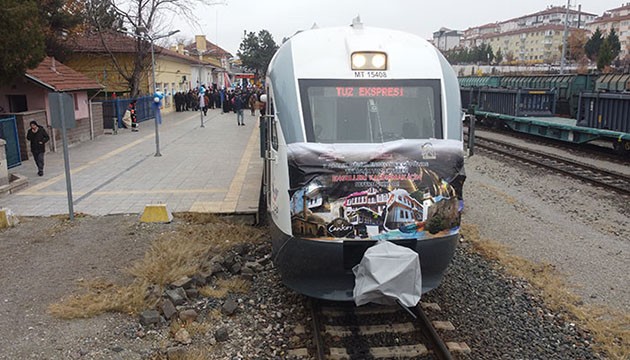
(613, 42)
(256, 52)
(489, 54)
(593, 44)
(605, 56)
(22, 40)
(499, 56)
(101, 15)
(59, 19)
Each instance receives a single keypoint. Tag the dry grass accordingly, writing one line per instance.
(101, 296)
(194, 328)
(610, 329)
(224, 287)
(171, 256)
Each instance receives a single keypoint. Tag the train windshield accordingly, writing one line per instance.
(360, 111)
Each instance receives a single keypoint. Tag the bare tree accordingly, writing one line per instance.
(141, 19)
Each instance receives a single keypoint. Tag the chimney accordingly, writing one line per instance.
(200, 40)
(180, 48)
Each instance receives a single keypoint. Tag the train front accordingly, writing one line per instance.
(365, 144)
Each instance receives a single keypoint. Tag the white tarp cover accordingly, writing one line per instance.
(388, 272)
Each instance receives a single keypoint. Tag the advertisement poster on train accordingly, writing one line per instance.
(404, 190)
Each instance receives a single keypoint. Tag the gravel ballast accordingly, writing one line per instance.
(582, 231)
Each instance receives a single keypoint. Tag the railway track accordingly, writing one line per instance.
(600, 177)
(598, 150)
(344, 331)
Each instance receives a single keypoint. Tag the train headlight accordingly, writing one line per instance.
(369, 61)
(378, 61)
(358, 61)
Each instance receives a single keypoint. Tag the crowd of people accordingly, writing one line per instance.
(199, 99)
(228, 100)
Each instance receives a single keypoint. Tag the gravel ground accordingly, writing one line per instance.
(544, 217)
(500, 317)
(582, 231)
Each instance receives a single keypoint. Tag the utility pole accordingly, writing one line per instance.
(564, 39)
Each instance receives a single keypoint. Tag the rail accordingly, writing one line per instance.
(344, 331)
(610, 180)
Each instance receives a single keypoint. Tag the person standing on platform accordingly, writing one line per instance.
(223, 96)
(129, 117)
(38, 138)
(201, 98)
(206, 100)
(239, 104)
(253, 101)
(217, 99)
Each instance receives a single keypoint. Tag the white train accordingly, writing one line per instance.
(363, 142)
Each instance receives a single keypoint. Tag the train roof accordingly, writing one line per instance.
(325, 53)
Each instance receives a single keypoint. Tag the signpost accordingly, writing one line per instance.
(62, 117)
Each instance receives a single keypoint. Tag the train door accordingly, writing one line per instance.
(271, 152)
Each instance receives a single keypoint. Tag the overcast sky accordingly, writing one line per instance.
(224, 24)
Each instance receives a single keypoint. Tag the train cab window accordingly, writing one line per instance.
(359, 111)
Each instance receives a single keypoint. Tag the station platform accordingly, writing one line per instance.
(214, 169)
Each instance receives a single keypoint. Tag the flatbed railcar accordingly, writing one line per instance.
(573, 108)
(362, 142)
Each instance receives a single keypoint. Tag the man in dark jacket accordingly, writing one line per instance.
(239, 104)
(38, 138)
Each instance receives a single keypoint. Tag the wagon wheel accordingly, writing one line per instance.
(622, 146)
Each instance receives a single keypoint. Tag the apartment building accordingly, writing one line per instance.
(533, 45)
(529, 39)
(553, 15)
(473, 36)
(618, 19)
(446, 39)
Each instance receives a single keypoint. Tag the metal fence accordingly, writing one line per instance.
(9, 132)
(113, 110)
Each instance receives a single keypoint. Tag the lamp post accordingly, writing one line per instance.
(564, 39)
(200, 94)
(144, 31)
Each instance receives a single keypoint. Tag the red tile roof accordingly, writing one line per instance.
(530, 30)
(121, 43)
(56, 76)
(623, 7)
(609, 19)
(215, 50)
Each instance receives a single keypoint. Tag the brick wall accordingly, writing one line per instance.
(22, 121)
(76, 135)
